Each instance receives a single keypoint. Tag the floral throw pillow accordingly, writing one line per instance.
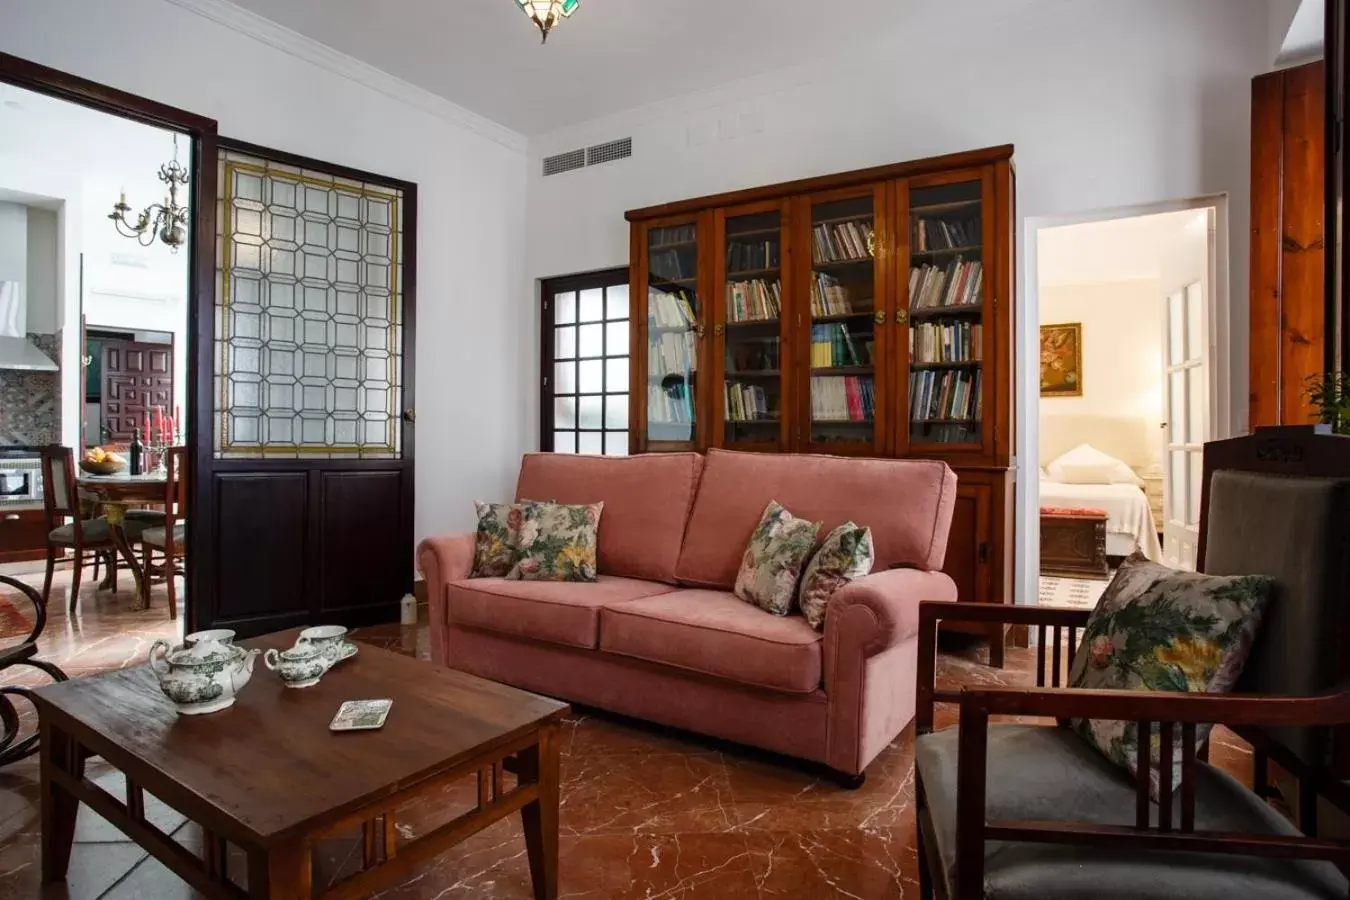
(557, 543)
(845, 554)
(1159, 629)
(774, 558)
(497, 542)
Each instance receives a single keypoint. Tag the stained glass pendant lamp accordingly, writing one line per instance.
(546, 13)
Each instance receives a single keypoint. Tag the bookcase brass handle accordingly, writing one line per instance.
(901, 316)
(718, 329)
(881, 317)
(698, 330)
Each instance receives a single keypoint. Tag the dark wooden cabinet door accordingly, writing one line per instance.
(969, 548)
(304, 463)
(137, 377)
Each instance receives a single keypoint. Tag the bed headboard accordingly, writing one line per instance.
(1134, 441)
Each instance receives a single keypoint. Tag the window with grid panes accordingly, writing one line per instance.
(585, 334)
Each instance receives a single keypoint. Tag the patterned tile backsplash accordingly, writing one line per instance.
(30, 402)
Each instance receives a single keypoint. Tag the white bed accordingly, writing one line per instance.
(1129, 520)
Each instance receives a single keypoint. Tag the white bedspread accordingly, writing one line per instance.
(1126, 507)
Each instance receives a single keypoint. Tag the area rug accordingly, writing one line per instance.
(1081, 593)
(12, 622)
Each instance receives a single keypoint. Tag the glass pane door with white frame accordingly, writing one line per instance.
(1186, 396)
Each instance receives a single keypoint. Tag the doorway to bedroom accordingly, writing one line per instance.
(1127, 331)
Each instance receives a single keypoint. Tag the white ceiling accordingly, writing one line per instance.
(610, 55)
(1306, 35)
(1112, 250)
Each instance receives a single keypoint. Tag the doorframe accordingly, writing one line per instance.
(201, 292)
(1026, 556)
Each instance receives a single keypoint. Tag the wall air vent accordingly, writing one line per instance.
(590, 156)
(603, 153)
(564, 162)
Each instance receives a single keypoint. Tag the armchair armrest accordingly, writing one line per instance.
(1043, 618)
(441, 560)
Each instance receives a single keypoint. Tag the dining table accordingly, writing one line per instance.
(116, 494)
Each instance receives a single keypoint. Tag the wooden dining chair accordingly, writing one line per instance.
(169, 539)
(85, 537)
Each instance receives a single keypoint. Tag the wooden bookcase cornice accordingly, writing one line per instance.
(969, 158)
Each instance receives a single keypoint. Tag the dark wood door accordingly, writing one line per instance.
(137, 377)
(968, 547)
(305, 461)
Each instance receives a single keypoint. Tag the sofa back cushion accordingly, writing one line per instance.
(906, 502)
(647, 500)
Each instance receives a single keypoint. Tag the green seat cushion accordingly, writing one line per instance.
(94, 531)
(155, 536)
(1046, 773)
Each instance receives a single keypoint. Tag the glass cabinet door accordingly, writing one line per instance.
(947, 314)
(672, 335)
(751, 329)
(846, 307)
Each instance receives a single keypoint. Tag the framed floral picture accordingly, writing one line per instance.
(1062, 360)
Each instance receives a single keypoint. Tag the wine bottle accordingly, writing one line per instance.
(136, 450)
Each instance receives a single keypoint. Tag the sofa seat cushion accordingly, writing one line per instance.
(559, 612)
(1045, 773)
(715, 633)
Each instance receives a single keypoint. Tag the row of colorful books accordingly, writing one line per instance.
(843, 241)
(955, 284)
(745, 255)
(747, 403)
(934, 342)
(944, 234)
(672, 353)
(833, 346)
(748, 301)
(842, 398)
(829, 297)
(671, 309)
(671, 405)
(953, 394)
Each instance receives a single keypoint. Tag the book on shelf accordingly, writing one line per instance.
(946, 233)
(940, 342)
(753, 300)
(672, 353)
(673, 263)
(833, 346)
(672, 234)
(945, 395)
(842, 398)
(747, 403)
(829, 297)
(752, 255)
(958, 283)
(671, 309)
(843, 241)
(669, 405)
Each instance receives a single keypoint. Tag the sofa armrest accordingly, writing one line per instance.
(441, 560)
(882, 609)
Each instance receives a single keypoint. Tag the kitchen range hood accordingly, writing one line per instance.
(15, 351)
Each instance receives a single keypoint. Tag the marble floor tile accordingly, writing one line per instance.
(646, 813)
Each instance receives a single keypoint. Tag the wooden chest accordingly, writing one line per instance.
(1073, 542)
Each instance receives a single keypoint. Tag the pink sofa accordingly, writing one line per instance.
(660, 636)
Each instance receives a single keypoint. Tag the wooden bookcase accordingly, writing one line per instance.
(866, 313)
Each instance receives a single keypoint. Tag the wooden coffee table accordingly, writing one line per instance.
(269, 777)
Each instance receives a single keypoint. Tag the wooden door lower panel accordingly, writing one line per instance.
(310, 544)
(979, 549)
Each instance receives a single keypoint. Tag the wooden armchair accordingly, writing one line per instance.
(1019, 811)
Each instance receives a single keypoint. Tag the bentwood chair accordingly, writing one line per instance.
(1032, 812)
(84, 537)
(169, 540)
(14, 745)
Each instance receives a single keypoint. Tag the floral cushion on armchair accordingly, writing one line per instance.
(557, 543)
(1160, 629)
(774, 558)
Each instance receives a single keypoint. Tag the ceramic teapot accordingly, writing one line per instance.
(203, 678)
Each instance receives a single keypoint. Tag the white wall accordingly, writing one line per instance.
(476, 347)
(1109, 104)
(44, 309)
(1122, 364)
(14, 243)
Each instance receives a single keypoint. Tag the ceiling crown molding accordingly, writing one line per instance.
(292, 42)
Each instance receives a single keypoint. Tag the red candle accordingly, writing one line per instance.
(159, 421)
(146, 430)
(177, 422)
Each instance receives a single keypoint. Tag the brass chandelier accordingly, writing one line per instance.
(166, 221)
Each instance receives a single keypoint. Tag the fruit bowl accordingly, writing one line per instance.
(105, 466)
